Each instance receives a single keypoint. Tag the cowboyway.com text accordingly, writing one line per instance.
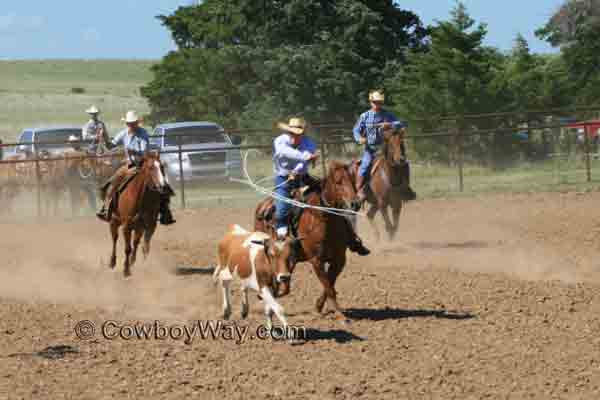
(200, 329)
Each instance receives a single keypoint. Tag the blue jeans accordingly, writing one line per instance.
(365, 163)
(282, 209)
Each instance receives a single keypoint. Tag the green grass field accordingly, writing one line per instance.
(34, 93)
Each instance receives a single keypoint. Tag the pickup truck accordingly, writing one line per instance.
(208, 152)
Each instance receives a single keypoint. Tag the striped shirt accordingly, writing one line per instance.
(365, 126)
(135, 145)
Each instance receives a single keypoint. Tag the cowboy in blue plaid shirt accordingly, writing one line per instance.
(368, 131)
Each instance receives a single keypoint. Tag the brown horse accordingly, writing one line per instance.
(137, 209)
(387, 181)
(324, 236)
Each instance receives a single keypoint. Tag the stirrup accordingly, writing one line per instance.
(103, 215)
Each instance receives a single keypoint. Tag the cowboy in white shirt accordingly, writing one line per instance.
(136, 142)
(293, 152)
(95, 130)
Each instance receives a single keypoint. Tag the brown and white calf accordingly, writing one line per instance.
(259, 263)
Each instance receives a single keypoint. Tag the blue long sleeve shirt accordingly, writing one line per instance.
(135, 145)
(364, 126)
(288, 158)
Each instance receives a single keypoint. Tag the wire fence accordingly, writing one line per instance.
(449, 155)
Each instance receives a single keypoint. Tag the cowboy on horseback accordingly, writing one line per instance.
(368, 131)
(95, 131)
(135, 141)
(292, 152)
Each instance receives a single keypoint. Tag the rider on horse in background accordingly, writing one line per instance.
(95, 131)
(136, 141)
(369, 131)
(292, 152)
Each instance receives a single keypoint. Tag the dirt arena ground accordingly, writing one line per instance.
(493, 297)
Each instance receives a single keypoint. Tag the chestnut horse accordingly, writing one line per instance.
(137, 210)
(388, 178)
(323, 236)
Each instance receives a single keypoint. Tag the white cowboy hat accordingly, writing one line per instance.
(131, 116)
(295, 125)
(376, 96)
(92, 110)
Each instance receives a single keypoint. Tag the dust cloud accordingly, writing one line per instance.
(67, 263)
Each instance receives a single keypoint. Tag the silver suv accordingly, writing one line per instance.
(219, 161)
(55, 140)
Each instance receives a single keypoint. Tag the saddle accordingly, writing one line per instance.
(355, 165)
(266, 212)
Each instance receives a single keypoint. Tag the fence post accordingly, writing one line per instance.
(38, 184)
(323, 155)
(588, 164)
(459, 151)
(181, 183)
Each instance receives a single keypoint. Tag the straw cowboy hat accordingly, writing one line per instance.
(295, 125)
(376, 96)
(92, 110)
(130, 117)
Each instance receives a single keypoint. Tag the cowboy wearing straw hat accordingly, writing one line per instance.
(95, 130)
(135, 141)
(293, 151)
(368, 131)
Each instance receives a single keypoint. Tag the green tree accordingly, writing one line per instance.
(453, 77)
(575, 28)
(240, 60)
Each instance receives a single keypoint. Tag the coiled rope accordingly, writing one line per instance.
(268, 192)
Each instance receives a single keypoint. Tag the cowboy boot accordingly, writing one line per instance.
(166, 218)
(360, 188)
(356, 246)
(105, 212)
(409, 194)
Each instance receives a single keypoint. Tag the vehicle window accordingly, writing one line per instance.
(194, 135)
(55, 138)
(155, 138)
(26, 137)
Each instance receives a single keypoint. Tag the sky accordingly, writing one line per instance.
(41, 29)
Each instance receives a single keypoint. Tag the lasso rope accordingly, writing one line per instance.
(268, 192)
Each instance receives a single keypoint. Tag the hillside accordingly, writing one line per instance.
(40, 92)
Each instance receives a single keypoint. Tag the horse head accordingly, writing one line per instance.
(152, 168)
(393, 147)
(339, 190)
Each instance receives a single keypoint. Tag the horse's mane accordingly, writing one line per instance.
(317, 190)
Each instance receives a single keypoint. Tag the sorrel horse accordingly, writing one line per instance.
(389, 176)
(137, 210)
(323, 237)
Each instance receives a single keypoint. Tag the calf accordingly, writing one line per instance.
(260, 263)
